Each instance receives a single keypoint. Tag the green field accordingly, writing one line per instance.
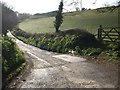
(88, 20)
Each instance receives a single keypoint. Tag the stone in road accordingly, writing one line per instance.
(53, 70)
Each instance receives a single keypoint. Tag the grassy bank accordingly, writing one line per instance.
(13, 60)
(77, 41)
(88, 20)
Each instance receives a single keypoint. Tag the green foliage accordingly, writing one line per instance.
(92, 51)
(111, 55)
(59, 17)
(114, 46)
(80, 41)
(78, 50)
(12, 59)
(60, 42)
(112, 51)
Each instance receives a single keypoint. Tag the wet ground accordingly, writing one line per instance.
(53, 70)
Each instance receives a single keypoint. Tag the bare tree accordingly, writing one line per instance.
(95, 2)
(75, 4)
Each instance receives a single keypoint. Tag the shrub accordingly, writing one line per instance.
(62, 41)
(92, 51)
(78, 50)
(80, 41)
(12, 59)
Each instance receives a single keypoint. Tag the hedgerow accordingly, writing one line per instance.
(79, 41)
(13, 60)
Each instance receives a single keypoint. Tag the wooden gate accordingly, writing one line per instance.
(109, 34)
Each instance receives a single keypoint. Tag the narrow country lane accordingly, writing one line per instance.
(53, 70)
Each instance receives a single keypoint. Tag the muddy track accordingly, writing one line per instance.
(53, 70)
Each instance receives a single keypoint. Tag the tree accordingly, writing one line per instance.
(118, 3)
(59, 18)
(77, 9)
(83, 9)
(9, 18)
(106, 4)
(77, 4)
(23, 16)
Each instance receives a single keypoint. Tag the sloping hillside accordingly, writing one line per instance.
(87, 19)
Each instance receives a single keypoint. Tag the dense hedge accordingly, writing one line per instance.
(61, 42)
(13, 60)
(79, 41)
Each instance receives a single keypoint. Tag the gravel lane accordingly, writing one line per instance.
(53, 70)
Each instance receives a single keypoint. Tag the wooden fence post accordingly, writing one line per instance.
(100, 29)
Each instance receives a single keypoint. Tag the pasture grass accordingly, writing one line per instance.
(88, 20)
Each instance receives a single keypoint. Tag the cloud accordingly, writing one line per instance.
(41, 6)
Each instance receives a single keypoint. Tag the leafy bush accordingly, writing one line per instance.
(80, 41)
(78, 50)
(114, 46)
(60, 42)
(92, 51)
(12, 59)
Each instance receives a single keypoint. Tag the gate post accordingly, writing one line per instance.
(100, 29)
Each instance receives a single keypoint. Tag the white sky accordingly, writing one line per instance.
(42, 6)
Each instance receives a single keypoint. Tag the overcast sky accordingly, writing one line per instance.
(42, 6)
